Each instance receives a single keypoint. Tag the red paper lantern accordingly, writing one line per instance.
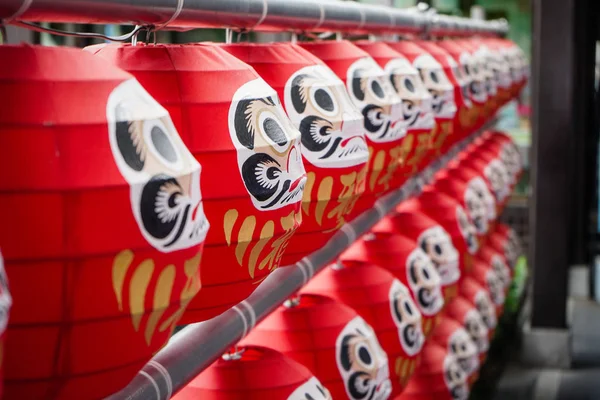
(416, 105)
(508, 152)
(480, 54)
(498, 262)
(492, 170)
(487, 277)
(472, 89)
(466, 314)
(519, 65)
(5, 304)
(513, 248)
(332, 341)
(440, 87)
(333, 140)
(451, 335)
(405, 259)
(254, 373)
(102, 272)
(475, 293)
(247, 142)
(372, 92)
(432, 239)
(440, 377)
(385, 304)
(501, 68)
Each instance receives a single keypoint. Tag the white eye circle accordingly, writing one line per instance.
(324, 99)
(273, 131)
(160, 143)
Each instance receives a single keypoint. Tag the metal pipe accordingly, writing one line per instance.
(197, 346)
(261, 15)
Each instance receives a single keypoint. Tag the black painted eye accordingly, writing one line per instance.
(274, 131)
(438, 249)
(324, 100)
(434, 77)
(408, 308)
(409, 85)
(321, 389)
(467, 69)
(364, 355)
(426, 273)
(308, 396)
(377, 89)
(261, 176)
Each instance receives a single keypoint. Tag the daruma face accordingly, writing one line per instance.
(486, 309)
(464, 349)
(268, 147)
(455, 379)
(425, 282)
(163, 176)
(477, 210)
(407, 318)
(467, 230)
(331, 126)
(481, 189)
(374, 96)
(310, 390)
(477, 90)
(362, 362)
(435, 80)
(477, 329)
(437, 244)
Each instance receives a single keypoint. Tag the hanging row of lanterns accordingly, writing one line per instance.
(112, 235)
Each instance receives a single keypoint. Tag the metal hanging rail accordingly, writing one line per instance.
(259, 15)
(197, 346)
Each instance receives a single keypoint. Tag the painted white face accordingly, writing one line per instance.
(514, 68)
(425, 282)
(5, 297)
(467, 230)
(512, 248)
(331, 126)
(268, 147)
(478, 185)
(461, 346)
(439, 86)
(477, 210)
(502, 270)
(482, 56)
(455, 378)
(478, 330)
(373, 94)
(310, 390)
(407, 318)
(500, 68)
(464, 80)
(511, 158)
(495, 287)
(417, 103)
(498, 177)
(437, 244)
(362, 363)
(486, 309)
(477, 91)
(163, 176)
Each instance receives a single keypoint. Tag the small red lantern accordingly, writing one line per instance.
(234, 124)
(501, 68)
(405, 259)
(513, 248)
(487, 277)
(499, 264)
(508, 152)
(254, 373)
(333, 140)
(440, 87)
(5, 303)
(451, 335)
(416, 105)
(373, 94)
(385, 304)
(106, 223)
(475, 293)
(432, 239)
(439, 377)
(466, 314)
(480, 54)
(332, 341)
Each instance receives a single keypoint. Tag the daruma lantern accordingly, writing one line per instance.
(440, 377)
(501, 69)
(332, 341)
(5, 303)
(234, 124)
(102, 273)
(411, 265)
(480, 54)
(487, 277)
(476, 294)
(497, 261)
(508, 152)
(372, 93)
(334, 149)
(439, 86)
(468, 116)
(466, 314)
(513, 248)
(386, 305)
(416, 104)
(451, 335)
(254, 373)
(432, 239)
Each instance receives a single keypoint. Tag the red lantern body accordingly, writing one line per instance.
(372, 92)
(512, 244)
(334, 148)
(254, 373)
(499, 264)
(476, 294)
(410, 264)
(439, 377)
(451, 335)
(233, 123)
(501, 68)
(441, 89)
(487, 277)
(508, 152)
(433, 240)
(385, 304)
(332, 341)
(98, 257)
(416, 105)
(466, 314)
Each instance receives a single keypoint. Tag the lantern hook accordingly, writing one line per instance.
(236, 354)
(38, 28)
(293, 301)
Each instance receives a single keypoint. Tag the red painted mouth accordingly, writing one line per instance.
(347, 140)
(295, 184)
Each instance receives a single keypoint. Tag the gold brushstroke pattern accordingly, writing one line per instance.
(307, 195)
(377, 167)
(162, 300)
(323, 197)
(265, 235)
(228, 223)
(244, 237)
(137, 293)
(289, 223)
(121, 264)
